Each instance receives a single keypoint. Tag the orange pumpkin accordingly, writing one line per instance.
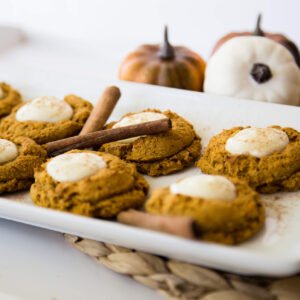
(164, 65)
(277, 37)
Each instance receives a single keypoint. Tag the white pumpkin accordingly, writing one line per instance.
(253, 67)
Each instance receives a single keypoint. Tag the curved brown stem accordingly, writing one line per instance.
(166, 50)
(258, 31)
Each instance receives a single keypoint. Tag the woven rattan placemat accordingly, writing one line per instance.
(183, 281)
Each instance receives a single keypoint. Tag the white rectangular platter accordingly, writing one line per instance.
(274, 252)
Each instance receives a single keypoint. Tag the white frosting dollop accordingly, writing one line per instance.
(71, 167)
(258, 142)
(8, 151)
(45, 109)
(138, 118)
(209, 187)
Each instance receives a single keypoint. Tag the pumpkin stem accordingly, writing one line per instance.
(261, 73)
(258, 31)
(166, 50)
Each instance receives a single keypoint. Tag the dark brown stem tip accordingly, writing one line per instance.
(261, 73)
(166, 50)
(258, 31)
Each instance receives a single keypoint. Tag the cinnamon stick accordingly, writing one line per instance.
(180, 226)
(96, 139)
(102, 110)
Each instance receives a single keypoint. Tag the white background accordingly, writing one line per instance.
(195, 23)
(38, 264)
(119, 26)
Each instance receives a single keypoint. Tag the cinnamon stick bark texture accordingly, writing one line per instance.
(180, 226)
(102, 110)
(98, 138)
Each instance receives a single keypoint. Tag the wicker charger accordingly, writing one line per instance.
(183, 281)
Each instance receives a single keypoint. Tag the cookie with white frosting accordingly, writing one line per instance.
(226, 210)
(47, 119)
(267, 158)
(9, 98)
(158, 154)
(18, 158)
(88, 183)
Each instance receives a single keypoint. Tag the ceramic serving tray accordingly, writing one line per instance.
(273, 252)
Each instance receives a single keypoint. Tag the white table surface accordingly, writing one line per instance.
(37, 264)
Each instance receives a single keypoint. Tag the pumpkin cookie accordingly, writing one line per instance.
(9, 98)
(47, 119)
(158, 154)
(267, 158)
(88, 183)
(18, 158)
(226, 210)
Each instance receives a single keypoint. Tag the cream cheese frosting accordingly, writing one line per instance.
(45, 109)
(258, 142)
(72, 167)
(8, 151)
(138, 118)
(208, 187)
